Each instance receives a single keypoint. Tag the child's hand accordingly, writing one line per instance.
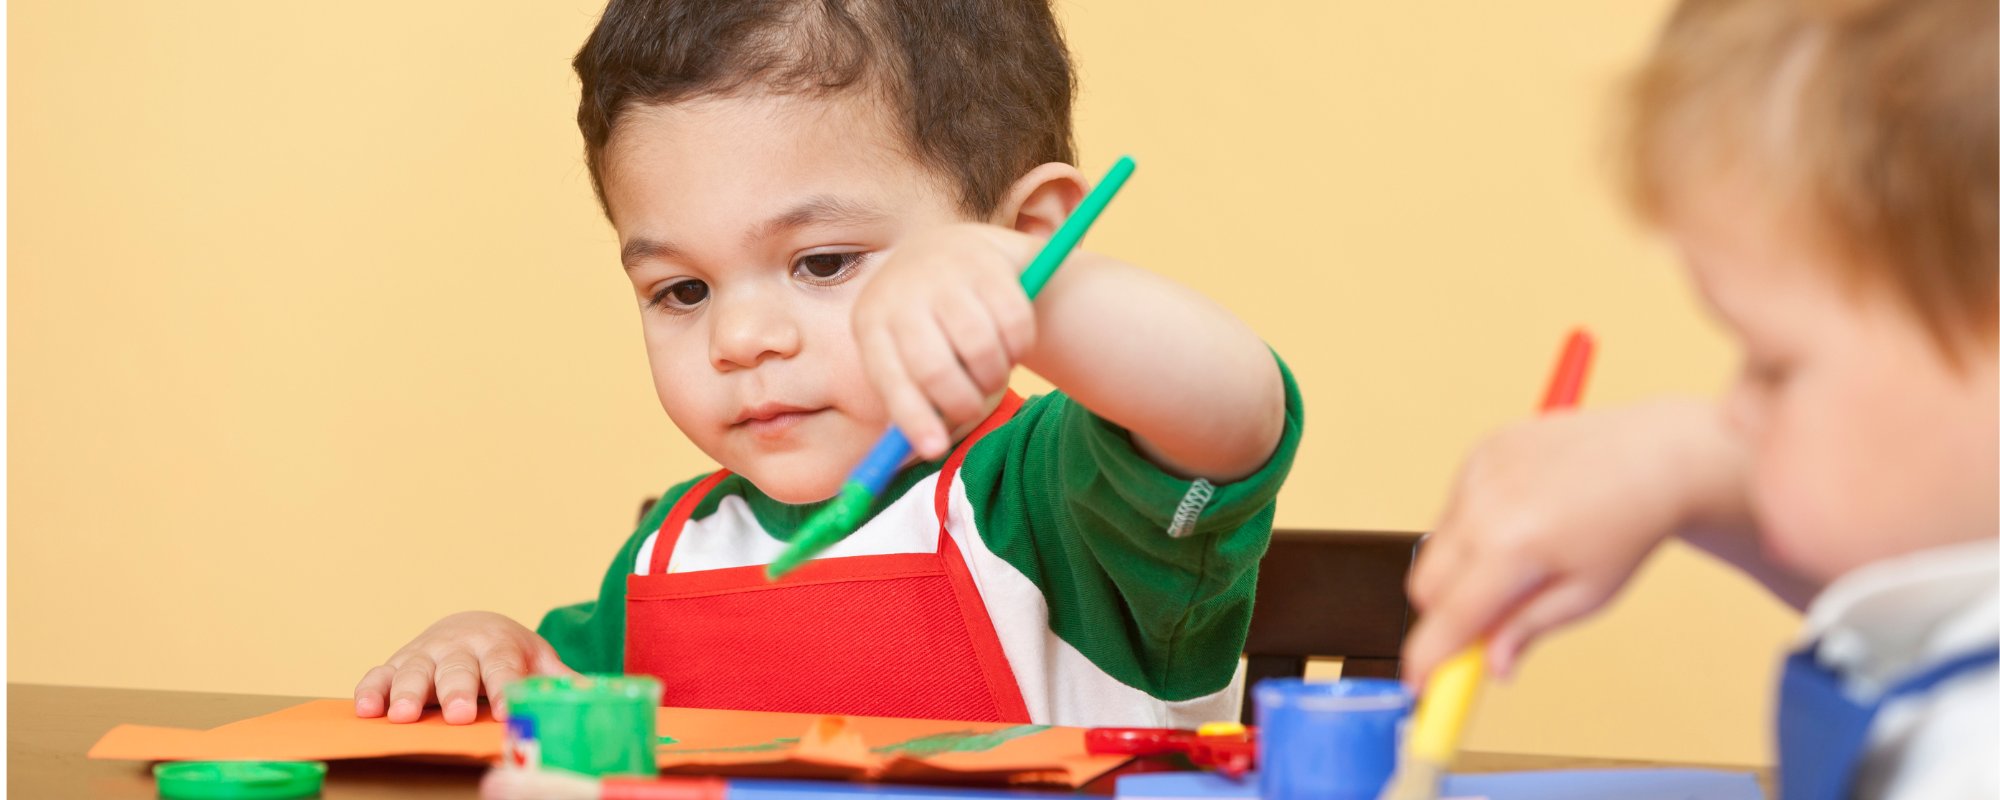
(452, 661)
(941, 325)
(1549, 519)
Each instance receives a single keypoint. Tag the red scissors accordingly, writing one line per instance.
(1225, 747)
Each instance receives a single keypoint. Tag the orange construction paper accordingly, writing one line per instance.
(319, 730)
(706, 741)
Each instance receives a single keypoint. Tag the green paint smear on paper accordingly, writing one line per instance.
(920, 747)
(784, 743)
(960, 741)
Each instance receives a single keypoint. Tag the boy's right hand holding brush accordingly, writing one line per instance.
(1548, 519)
(1546, 522)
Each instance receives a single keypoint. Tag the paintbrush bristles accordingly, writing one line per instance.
(824, 529)
(1415, 779)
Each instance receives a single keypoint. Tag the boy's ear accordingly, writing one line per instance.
(1040, 201)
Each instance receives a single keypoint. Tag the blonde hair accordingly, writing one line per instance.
(1872, 122)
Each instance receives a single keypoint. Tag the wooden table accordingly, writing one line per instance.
(50, 727)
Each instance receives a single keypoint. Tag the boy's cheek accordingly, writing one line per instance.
(1792, 514)
(1822, 512)
(1774, 515)
(682, 385)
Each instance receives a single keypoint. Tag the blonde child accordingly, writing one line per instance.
(1827, 170)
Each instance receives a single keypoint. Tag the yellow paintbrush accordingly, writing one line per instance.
(1448, 695)
(1437, 726)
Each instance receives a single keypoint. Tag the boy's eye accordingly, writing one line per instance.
(827, 267)
(680, 295)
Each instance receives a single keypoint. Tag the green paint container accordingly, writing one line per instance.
(596, 725)
(239, 780)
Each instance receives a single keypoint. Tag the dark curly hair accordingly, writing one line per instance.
(982, 88)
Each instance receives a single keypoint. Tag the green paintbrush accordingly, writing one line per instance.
(844, 514)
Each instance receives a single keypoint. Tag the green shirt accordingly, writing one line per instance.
(1109, 612)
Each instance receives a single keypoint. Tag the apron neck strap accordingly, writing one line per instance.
(1009, 403)
(670, 528)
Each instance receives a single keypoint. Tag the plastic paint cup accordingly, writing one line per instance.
(239, 780)
(594, 725)
(1329, 741)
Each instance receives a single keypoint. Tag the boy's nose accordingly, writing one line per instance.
(746, 333)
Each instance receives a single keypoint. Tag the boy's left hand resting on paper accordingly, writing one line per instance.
(455, 661)
(944, 320)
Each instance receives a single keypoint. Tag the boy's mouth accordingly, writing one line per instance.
(770, 419)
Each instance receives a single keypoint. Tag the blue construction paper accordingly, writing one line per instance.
(1593, 784)
(756, 789)
(1621, 784)
(1178, 785)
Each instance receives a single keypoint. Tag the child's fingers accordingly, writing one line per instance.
(410, 689)
(1440, 557)
(1444, 552)
(1539, 614)
(457, 681)
(371, 695)
(498, 672)
(547, 662)
(1474, 603)
(930, 364)
(1013, 315)
(457, 678)
(970, 328)
(908, 410)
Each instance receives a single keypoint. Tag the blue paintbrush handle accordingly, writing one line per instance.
(889, 453)
(867, 481)
(881, 463)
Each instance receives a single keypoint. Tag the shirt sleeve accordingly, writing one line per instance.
(590, 636)
(1149, 575)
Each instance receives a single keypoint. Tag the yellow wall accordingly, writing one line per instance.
(316, 334)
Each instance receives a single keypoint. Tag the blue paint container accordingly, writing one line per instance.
(1329, 741)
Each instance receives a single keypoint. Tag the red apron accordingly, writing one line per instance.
(902, 635)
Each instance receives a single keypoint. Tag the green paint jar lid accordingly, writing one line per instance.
(584, 689)
(239, 780)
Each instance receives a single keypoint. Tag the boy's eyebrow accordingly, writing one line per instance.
(817, 209)
(642, 248)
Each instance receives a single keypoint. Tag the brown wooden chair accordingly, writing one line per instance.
(1330, 594)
